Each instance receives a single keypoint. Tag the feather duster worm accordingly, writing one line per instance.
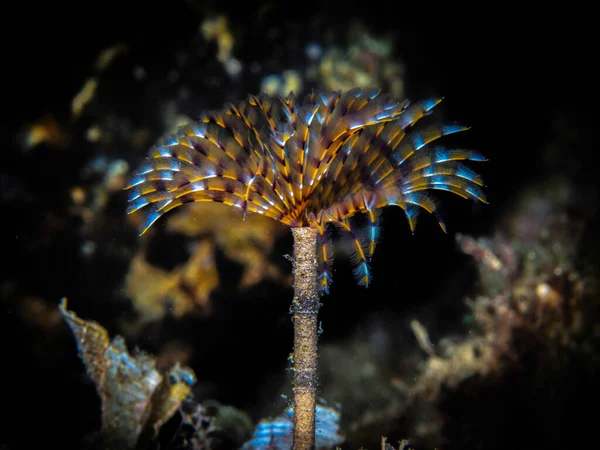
(309, 165)
(312, 164)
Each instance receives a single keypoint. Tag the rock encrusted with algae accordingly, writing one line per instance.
(530, 332)
(533, 297)
(136, 398)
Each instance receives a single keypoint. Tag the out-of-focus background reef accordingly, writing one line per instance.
(486, 337)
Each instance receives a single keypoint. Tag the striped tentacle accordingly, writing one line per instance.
(323, 148)
(350, 206)
(438, 156)
(255, 122)
(360, 203)
(412, 143)
(211, 156)
(355, 172)
(212, 189)
(325, 251)
(237, 129)
(371, 122)
(376, 145)
(257, 114)
(411, 202)
(362, 271)
(350, 112)
(426, 201)
(216, 146)
(395, 132)
(355, 110)
(265, 106)
(297, 150)
(373, 215)
(393, 196)
(172, 166)
(416, 111)
(462, 187)
(320, 198)
(438, 167)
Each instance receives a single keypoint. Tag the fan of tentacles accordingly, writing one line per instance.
(314, 163)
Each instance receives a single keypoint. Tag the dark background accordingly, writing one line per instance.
(517, 77)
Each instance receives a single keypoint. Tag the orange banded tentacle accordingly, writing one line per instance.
(374, 227)
(412, 143)
(325, 251)
(459, 186)
(362, 271)
(427, 202)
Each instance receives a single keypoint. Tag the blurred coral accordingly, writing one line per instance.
(534, 309)
(534, 313)
(532, 294)
(217, 29)
(249, 245)
(156, 292)
(363, 59)
(46, 130)
(366, 62)
(288, 81)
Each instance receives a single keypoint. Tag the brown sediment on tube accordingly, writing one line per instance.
(305, 308)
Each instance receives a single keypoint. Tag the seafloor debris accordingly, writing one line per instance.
(276, 433)
(136, 398)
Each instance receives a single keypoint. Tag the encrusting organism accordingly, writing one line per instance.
(309, 165)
